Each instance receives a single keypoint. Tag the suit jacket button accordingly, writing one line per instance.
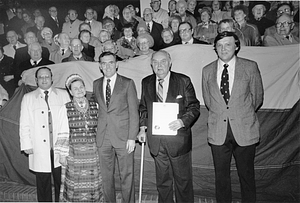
(227, 107)
(224, 120)
(42, 111)
(44, 140)
(43, 126)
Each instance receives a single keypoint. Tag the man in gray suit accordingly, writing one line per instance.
(118, 126)
(232, 95)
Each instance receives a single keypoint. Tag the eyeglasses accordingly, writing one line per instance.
(286, 10)
(284, 24)
(46, 77)
(183, 31)
(163, 62)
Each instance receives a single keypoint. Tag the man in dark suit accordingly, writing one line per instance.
(118, 126)
(232, 91)
(37, 29)
(154, 28)
(172, 154)
(36, 59)
(77, 54)
(52, 21)
(186, 34)
(22, 52)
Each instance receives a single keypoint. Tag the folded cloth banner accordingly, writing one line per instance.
(279, 68)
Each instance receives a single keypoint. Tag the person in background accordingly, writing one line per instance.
(142, 28)
(48, 40)
(36, 59)
(227, 10)
(12, 38)
(127, 18)
(174, 22)
(104, 35)
(250, 31)
(28, 21)
(85, 37)
(127, 45)
(118, 125)
(191, 8)
(134, 12)
(259, 10)
(206, 30)
(283, 36)
(168, 38)
(109, 25)
(72, 27)
(39, 122)
(217, 14)
(63, 51)
(282, 8)
(36, 13)
(37, 29)
(16, 23)
(172, 154)
(22, 53)
(77, 54)
(172, 7)
(153, 28)
(233, 92)
(94, 41)
(6, 73)
(95, 25)
(109, 13)
(53, 22)
(235, 3)
(229, 26)
(159, 15)
(144, 43)
(186, 34)
(181, 7)
(76, 145)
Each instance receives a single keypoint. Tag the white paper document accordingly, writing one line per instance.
(163, 114)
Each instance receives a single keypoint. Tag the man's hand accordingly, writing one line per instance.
(8, 78)
(63, 160)
(142, 135)
(28, 151)
(176, 125)
(130, 145)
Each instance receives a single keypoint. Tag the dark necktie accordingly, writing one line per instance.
(62, 52)
(15, 47)
(34, 63)
(159, 92)
(148, 27)
(225, 84)
(108, 92)
(56, 20)
(49, 120)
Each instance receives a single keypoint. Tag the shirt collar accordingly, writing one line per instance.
(166, 79)
(37, 62)
(112, 78)
(40, 91)
(230, 63)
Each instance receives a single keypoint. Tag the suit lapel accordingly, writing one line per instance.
(173, 88)
(116, 90)
(152, 88)
(238, 75)
(101, 95)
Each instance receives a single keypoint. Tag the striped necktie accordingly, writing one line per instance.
(159, 92)
(108, 92)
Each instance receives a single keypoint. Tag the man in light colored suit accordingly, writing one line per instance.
(38, 131)
(172, 154)
(233, 92)
(283, 35)
(96, 26)
(118, 126)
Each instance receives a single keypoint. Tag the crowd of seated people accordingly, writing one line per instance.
(129, 33)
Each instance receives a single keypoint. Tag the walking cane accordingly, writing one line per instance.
(141, 172)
